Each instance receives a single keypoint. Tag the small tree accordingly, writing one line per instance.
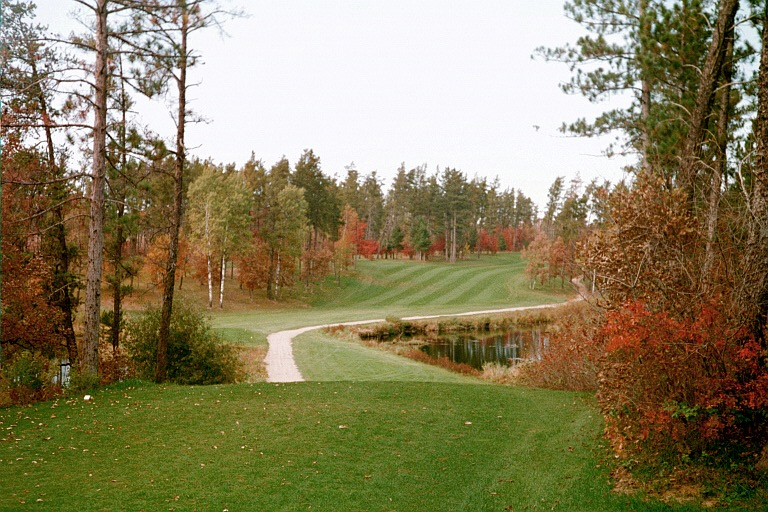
(195, 354)
(420, 239)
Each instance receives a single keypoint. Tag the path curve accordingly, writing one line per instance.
(281, 367)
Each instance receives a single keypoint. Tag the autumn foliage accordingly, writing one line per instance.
(686, 386)
(575, 351)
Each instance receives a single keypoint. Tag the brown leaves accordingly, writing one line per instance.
(650, 249)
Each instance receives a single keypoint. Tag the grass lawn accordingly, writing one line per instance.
(326, 446)
(369, 432)
(321, 357)
(402, 288)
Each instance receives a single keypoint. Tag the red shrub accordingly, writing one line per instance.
(685, 386)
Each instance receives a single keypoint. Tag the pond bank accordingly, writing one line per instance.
(281, 366)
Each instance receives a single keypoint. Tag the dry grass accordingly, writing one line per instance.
(501, 374)
(252, 357)
(196, 292)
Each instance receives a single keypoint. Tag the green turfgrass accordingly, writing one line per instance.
(240, 336)
(323, 446)
(491, 281)
(379, 438)
(402, 288)
(321, 357)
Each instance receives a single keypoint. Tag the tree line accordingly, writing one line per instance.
(91, 198)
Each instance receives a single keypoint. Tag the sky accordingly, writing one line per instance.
(377, 83)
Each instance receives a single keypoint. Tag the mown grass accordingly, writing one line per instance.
(321, 357)
(491, 281)
(402, 288)
(352, 446)
(370, 432)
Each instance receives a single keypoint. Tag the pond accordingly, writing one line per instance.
(476, 349)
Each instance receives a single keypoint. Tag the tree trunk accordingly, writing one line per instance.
(117, 282)
(271, 275)
(119, 237)
(453, 238)
(178, 204)
(514, 239)
(223, 276)
(720, 165)
(61, 295)
(755, 295)
(89, 355)
(645, 88)
(277, 276)
(756, 278)
(210, 281)
(711, 71)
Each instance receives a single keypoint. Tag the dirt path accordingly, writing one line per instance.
(281, 366)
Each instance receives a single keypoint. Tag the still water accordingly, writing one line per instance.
(476, 349)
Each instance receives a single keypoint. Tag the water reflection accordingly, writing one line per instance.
(477, 349)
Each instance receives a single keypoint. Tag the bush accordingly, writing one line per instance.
(574, 353)
(28, 378)
(682, 387)
(81, 382)
(115, 365)
(196, 355)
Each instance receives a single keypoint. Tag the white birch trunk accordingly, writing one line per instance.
(210, 282)
(223, 275)
(209, 254)
(277, 276)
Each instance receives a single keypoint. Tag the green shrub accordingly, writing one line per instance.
(196, 355)
(29, 378)
(81, 382)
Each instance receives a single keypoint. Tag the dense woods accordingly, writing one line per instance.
(675, 257)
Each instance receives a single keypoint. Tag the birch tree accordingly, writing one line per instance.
(218, 220)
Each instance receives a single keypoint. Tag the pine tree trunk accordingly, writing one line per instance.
(178, 205)
(645, 88)
(721, 163)
(89, 355)
(61, 295)
(755, 295)
(117, 282)
(710, 72)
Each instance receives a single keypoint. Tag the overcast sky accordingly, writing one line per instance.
(442, 82)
